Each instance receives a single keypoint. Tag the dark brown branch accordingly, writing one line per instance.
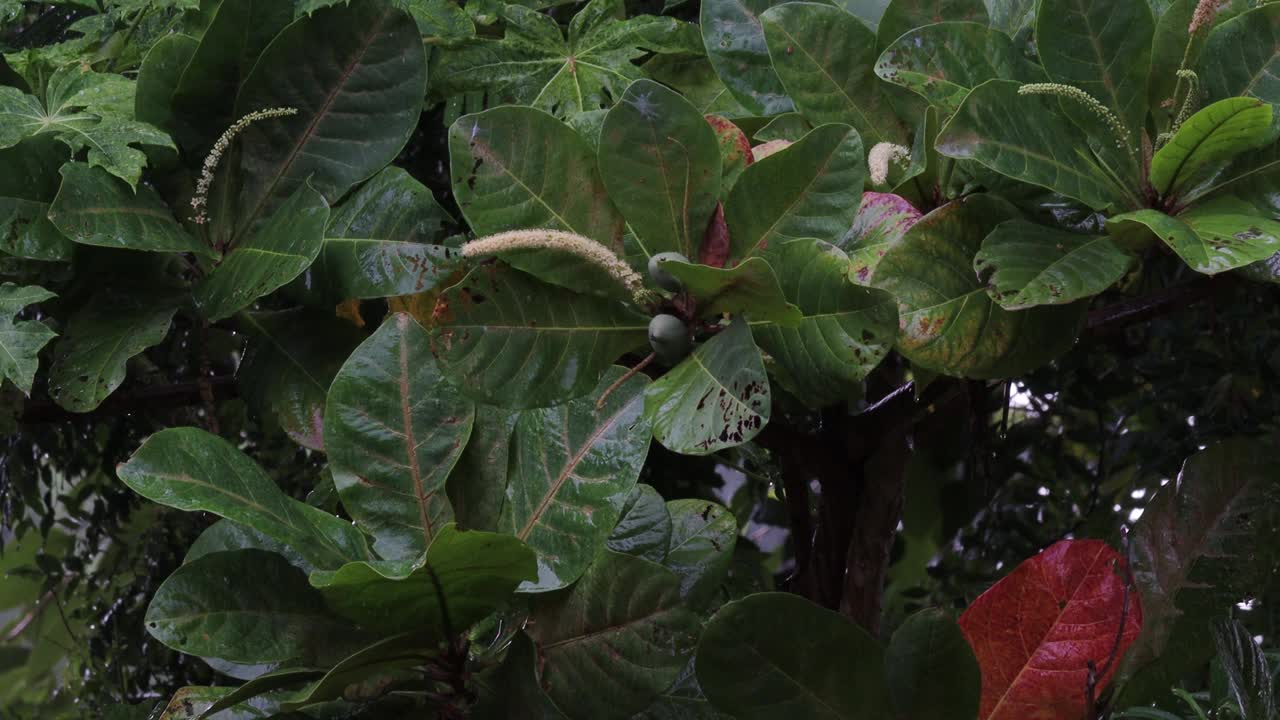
(1161, 302)
(155, 397)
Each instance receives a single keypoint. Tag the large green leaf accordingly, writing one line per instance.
(1027, 138)
(736, 48)
(357, 74)
(380, 241)
(227, 536)
(844, 332)
(1217, 133)
(21, 341)
(931, 670)
(1242, 56)
(1205, 542)
(281, 250)
(660, 162)
(101, 337)
(94, 208)
(947, 322)
(1024, 265)
(393, 430)
(1211, 239)
(826, 59)
(774, 655)
(621, 630)
(247, 606)
(28, 184)
(478, 484)
(717, 398)
(463, 576)
(87, 111)
(158, 78)
(290, 360)
(644, 527)
(536, 64)
(1102, 47)
(512, 689)
(570, 470)
(749, 287)
(189, 469)
(703, 535)
(511, 340)
(811, 189)
(902, 16)
(943, 62)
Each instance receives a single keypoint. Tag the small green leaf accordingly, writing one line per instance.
(570, 470)
(716, 398)
(703, 535)
(774, 655)
(622, 630)
(844, 332)
(190, 469)
(1215, 134)
(736, 48)
(1207, 239)
(660, 162)
(271, 258)
(749, 287)
(30, 181)
(644, 527)
(811, 189)
(21, 341)
(1247, 670)
(476, 572)
(94, 208)
(1242, 56)
(511, 340)
(394, 428)
(882, 220)
(246, 606)
(931, 670)
(903, 15)
(1025, 265)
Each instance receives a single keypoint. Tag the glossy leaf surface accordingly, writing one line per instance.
(21, 340)
(644, 527)
(882, 220)
(1025, 265)
(703, 535)
(749, 287)
(1217, 133)
(901, 16)
(1242, 56)
(931, 670)
(736, 48)
(1210, 242)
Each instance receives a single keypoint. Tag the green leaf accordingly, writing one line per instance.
(826, 60)
(931, 670)
(381, 241)
(644, 526)
(717, 398)
(367, 665)
(268, 614)
(660, 162)
(901, 16)
(943, 62)
(86, 111)
(158, 78)
(1206, 238)
(844, 332)
(1247, 670)
(354, 112)
(228, 536)
(1012, 16)
(736, 48)
(1102, 47)
(570, 469)
(21, 341)
(882, 220)
(477, 486)
(774, 655)
(947, 322)
(703, 535)
(536, 64)
(94, 208)
(621, 630)
(190, 703)
(749, 287)
(28, 184)
(90, 358)
(1025, 265)
(1204, 542)
(281, 250)
(189, 469)
(518, 168)
(696, 80)
(511, 340)
(1026, 138)
(1242, 56)
(512, 689)
(394, 428)
(288, 366)
(476, 573)
(1215, 134)
(811, 189)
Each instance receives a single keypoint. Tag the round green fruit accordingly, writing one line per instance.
(669, 338)
(659, 274)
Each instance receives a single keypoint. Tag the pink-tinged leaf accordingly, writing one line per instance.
(1038, 631)
(881, 222)
(714, 250)
(735, 151)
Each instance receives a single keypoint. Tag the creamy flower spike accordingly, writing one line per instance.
(881, 156)
(200, 201)
(1090, 102)
(583, 247)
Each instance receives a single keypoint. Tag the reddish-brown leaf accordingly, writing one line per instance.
(714, 250)
(1036, 632)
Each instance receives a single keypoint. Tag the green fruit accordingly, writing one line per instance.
(669, 338)
(660, 276)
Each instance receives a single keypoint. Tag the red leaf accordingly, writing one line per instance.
(714, 250)
(734, 145)
(1036, 631)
